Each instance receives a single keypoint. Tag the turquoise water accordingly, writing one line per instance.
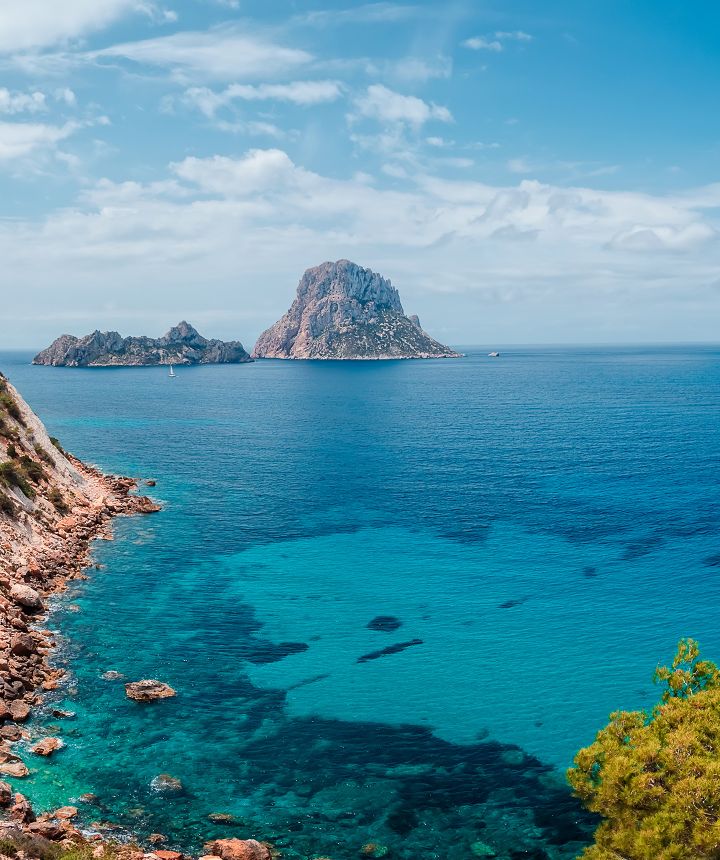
(542, 529)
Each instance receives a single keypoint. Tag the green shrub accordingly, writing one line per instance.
(56, 497)
(56, 443)
(43, 454)
(12, 475)
(33, 471)
(11, 407)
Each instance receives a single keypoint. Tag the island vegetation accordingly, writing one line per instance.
(654, 777)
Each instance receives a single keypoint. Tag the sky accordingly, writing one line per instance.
(523, 172)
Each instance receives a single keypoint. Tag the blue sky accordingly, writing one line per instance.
(523, 172)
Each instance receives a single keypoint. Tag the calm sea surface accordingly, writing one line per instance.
(542, 527)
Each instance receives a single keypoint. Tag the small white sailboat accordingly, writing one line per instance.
(172, 372)
(493, 355)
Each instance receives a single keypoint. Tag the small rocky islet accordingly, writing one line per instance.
(182, 345)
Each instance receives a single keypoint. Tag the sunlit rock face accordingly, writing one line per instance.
(343, 311)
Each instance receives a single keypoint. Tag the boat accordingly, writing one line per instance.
(172, 372)
(493, 355)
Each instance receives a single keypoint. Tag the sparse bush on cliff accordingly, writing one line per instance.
(655, 777)
(43, 454)
(12, 475)
(33, 471)
(9, 508)
(56, 444)
(7, 430)
(7, 401)
(56, 498)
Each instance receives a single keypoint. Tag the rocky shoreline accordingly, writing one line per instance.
(52, 506)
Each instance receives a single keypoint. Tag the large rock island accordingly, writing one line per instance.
(181, 345)
(347, 312)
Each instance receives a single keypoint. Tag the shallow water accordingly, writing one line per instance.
(542, 528)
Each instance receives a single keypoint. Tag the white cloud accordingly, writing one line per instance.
(368, 13)
(221, 54)
(12, 103)
(304, 93)
(495, 43)
(18, 139)
(513, 35)
(519, 165)
(478, 43)
(27, 24)
(386, 105)
(67, 96)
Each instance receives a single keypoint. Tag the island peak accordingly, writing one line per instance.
(345, 311)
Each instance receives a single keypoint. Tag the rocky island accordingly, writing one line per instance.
(343, 311)
(183, 344)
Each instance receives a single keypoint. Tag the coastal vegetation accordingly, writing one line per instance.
(654, 777)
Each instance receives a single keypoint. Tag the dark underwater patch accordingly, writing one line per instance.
(271, 652)
(518, 601)
(712, 560)
(391, 649)
(638, 549)
(384, 623)
(590, 572)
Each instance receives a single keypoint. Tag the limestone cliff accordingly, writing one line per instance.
(181, 345)
(343, 311)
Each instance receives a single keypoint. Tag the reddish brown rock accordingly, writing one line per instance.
(19, 711)
(148, 690)
(165, 854)
(47, 746)
(21, 810)
(23, 645)
(6, 794)
(16, 769)
(26, 596)
(66, 812)
(157, 838)
(238, 849)
(46, 829)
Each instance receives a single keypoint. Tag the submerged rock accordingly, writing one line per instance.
(343, 311)
(148, 690)
(391, 649)
(166, 784)
(374, 849)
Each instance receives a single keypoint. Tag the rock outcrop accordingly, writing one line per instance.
(343, 311)
(148, 690)
(181, 345)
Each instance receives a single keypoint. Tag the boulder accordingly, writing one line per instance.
(19, 710)
(65, 813)
(47, 746)
(46, 829)
(23, 645)
(238, 849)
(166, 854)
(25, 596)
(148, 690)
(166, 784)
(21, 810)
(16, 769)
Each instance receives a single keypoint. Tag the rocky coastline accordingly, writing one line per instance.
(52, 506)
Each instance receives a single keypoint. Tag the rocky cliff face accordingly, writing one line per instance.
(347, 312)
(181, 345)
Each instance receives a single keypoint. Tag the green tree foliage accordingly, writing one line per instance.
(655, 777)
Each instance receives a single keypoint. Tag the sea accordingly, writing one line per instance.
(394, 597)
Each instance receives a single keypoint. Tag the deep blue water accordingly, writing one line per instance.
(544, 527)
